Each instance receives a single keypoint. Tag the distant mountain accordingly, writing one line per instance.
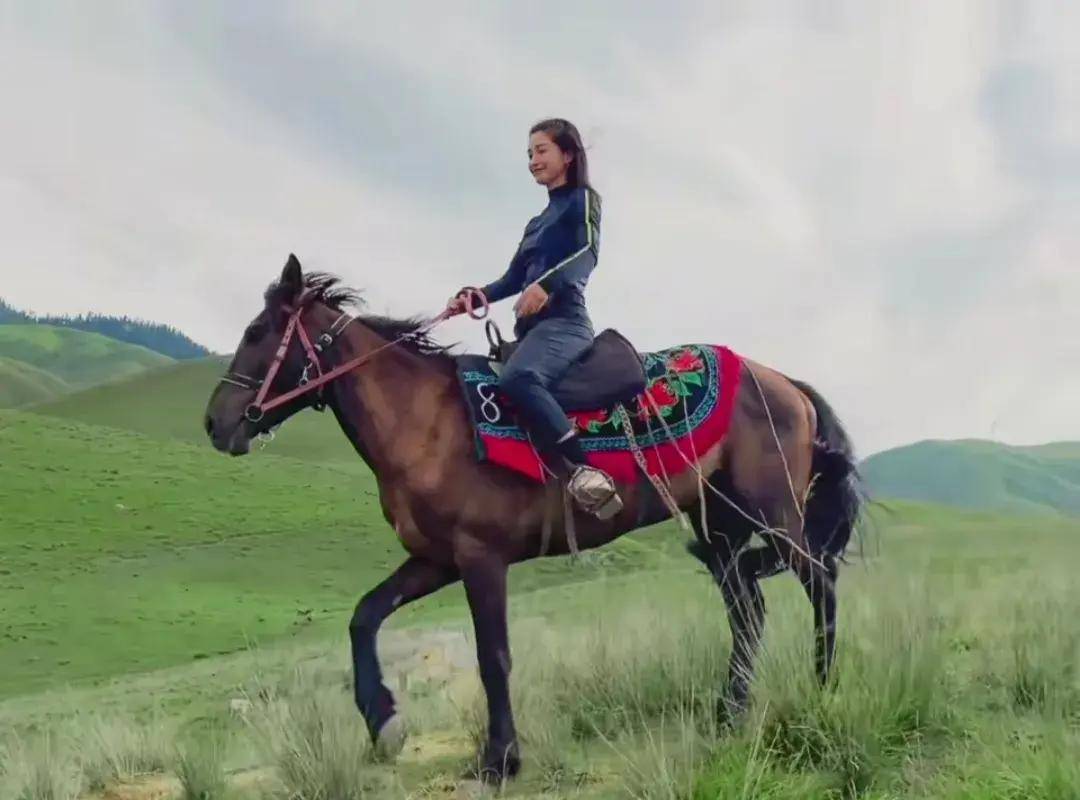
(160, 338)
(45, 360)
(980, 474)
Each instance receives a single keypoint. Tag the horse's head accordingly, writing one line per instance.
(233, 416)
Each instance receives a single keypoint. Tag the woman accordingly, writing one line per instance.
(550, 270)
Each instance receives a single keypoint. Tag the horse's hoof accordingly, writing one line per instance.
(497, 765)
(730, 713)
(391, 738)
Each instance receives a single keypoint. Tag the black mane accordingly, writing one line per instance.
(327, 289)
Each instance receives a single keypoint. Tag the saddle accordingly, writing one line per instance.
(624, 405)
(611, 371)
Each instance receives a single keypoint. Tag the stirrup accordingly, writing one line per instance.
(594, 492)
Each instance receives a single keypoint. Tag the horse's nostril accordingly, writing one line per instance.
(208, 423)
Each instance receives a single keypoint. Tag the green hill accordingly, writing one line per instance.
(980, 474)
(22, 384)
(78, 358)
(163, 339)
(169, 403)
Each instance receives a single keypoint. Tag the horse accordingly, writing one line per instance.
(784, 470)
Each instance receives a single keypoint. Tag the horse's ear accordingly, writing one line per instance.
(292, 277)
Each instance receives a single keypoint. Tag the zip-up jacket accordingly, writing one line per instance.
(558, 251)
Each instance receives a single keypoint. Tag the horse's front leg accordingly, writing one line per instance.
(414, 579)
(484, 574)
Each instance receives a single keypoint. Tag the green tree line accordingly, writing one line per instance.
(163, 339)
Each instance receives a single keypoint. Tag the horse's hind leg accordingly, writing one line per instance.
(414, 579)
(817, 574)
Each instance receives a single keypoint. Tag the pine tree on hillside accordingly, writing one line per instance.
(11, 315)
(163, 339)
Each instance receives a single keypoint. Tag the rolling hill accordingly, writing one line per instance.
(980, 474)
(168, 403)
(78, 358)
(22, 384)
(155, 336)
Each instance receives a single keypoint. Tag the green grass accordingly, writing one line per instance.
(168, 404)
(122, 554)
(79, 358)
(22, 384)
(136, 571)
(956, 678)
(981, 474)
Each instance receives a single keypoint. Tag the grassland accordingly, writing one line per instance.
(76, 358)
(119, 553)
(167, 404)
(22, 384)
(956, 678)
(145, 583)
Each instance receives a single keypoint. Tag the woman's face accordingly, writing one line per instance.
(547, 163)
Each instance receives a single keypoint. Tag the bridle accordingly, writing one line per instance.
(256, 410)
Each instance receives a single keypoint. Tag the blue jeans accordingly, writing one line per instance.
(543, 357)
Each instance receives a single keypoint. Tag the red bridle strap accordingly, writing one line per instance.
(261, 405)
(275, 365)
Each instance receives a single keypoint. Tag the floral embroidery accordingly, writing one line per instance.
(685, 361)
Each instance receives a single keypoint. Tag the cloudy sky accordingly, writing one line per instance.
(880, 198)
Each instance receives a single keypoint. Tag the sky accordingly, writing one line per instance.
(880, 198)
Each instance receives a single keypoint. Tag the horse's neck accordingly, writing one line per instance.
(380, 399)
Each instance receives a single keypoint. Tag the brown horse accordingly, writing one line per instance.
(784, 470)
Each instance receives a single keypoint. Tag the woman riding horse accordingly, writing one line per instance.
(550, 270)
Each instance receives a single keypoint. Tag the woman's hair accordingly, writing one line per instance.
(566, 136)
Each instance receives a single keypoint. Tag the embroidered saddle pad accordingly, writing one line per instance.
(683, 407)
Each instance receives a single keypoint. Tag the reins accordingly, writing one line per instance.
(307, 384)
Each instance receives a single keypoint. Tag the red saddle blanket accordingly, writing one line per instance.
(686, 407)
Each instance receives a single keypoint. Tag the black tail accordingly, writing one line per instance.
(836, 496)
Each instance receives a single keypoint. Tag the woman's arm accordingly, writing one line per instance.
(578, 258)
(512, 281)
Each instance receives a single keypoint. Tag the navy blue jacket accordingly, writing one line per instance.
(559, 250)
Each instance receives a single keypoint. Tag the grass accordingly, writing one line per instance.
(200, 767)
(316, 746)
(147, 582)
(167, 404)
(38, 770)
(79, 358)
(614, 690)
(120, 554)
(118, 748)
(22, 384)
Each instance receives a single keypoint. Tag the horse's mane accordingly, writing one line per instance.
(328, 290)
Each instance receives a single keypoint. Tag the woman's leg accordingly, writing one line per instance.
(542, 358)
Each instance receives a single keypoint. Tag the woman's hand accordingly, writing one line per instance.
(531, 301)
(456, 304)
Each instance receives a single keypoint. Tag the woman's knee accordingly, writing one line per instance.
(514, 383)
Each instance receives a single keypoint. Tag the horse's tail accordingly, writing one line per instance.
(836, 494)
